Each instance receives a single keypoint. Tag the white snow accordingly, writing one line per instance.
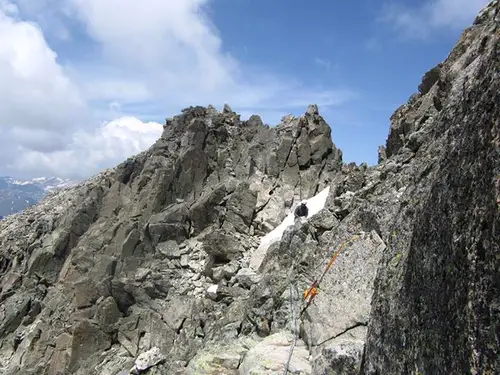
(45, 183)
(314, 205)
(213, 288)
(212, 291)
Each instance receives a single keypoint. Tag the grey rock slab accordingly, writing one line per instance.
(60, 359)
(184, 261)
(240, 207)
(270, 355)
(246, 277)
(86, 293)
(178, 310)
(127, 344)
(343, 354)
(118, 362)
(344, 298)
(222, 358)
(147, 360)
(171, 250)
(222, 245)
(204, 213)
(130, 243)
(12, 313)
(88, 339)
(107, 314)
(141, 274)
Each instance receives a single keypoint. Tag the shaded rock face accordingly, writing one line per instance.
(145, 268)
(437, 304)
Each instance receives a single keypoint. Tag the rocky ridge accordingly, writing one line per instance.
(146, 267)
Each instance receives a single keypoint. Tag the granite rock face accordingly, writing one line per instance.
(437, 299)
(145, 268)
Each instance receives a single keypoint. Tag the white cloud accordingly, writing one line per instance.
(88, 152)
(455, 13)
(420, 22)
(44, 115)
(120, 59)
(176, 53)
(33, 84)
(117, 90)
(169, 45)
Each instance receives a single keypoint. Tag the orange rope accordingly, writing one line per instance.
(312, 291)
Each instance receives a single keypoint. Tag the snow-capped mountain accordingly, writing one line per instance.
(17, 194)
(45, 183)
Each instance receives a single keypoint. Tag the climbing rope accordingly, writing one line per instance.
(313, 289)
(310, 293)
(294, 332)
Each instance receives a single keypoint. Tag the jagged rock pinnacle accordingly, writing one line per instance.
(227, 109)
(312, 109)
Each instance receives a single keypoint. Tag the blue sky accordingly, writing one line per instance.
(91, 81)
(345, 44)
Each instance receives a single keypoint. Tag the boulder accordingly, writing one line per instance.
(222, 246)
(271, 355)
(147, 360)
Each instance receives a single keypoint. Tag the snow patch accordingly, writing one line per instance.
(314, 205)
(212, 291)
(45, 183)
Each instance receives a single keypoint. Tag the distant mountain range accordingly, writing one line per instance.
(17, 194)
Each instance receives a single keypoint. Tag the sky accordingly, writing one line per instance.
(88, 83)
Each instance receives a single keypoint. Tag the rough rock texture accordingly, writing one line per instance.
(121, 264)
(437, 299)
(268, 356)
(144, 268)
